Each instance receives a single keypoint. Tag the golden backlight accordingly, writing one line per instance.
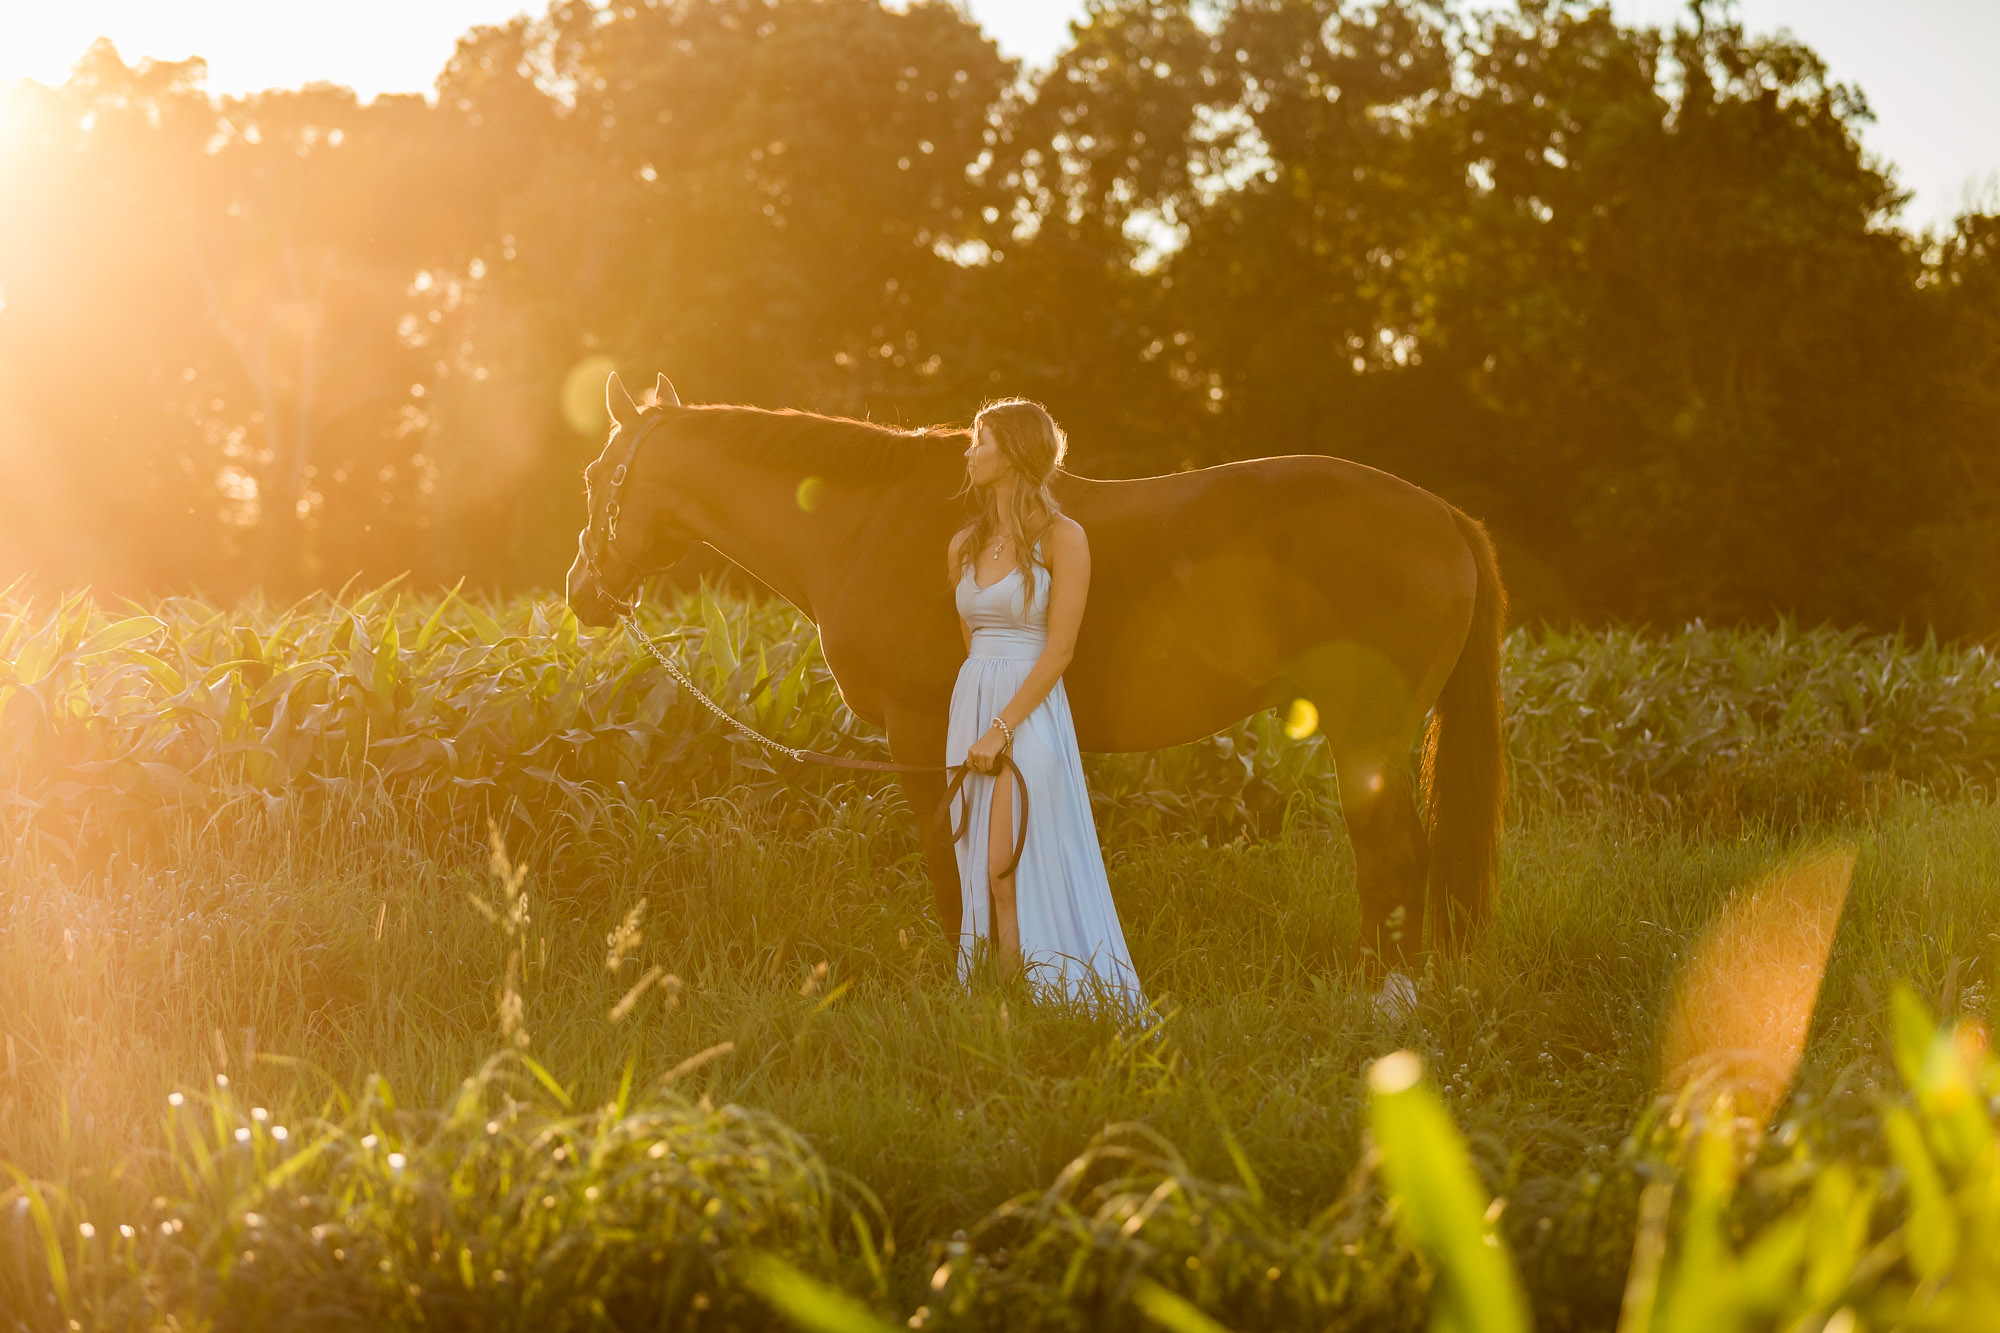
(1741, 1010)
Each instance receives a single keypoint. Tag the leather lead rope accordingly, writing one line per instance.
(957, 772)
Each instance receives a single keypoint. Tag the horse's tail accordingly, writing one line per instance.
(1464, 773)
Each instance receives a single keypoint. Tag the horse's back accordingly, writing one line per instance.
(1216, 591)
(1223, 498)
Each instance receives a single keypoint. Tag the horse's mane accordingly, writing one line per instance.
(838, 448)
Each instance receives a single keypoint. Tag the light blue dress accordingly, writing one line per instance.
(1071, 943)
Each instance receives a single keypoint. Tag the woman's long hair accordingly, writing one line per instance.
(1032, 445)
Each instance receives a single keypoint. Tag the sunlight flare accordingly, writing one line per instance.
(1742, 1008)
(583, 395)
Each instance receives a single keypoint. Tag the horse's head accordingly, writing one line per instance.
(628, 532)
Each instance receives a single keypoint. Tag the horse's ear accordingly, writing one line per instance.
(619, 403)
(663, 390)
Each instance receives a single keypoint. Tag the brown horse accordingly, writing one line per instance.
(1214, 593)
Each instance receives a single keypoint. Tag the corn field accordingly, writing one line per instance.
(111, 717)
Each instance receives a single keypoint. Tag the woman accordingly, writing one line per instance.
(1020, 571)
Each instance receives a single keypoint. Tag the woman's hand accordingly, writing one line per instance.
(984, 754)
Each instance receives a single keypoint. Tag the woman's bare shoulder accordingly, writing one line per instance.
(1066, 537)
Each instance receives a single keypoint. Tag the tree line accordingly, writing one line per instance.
(1634, 296)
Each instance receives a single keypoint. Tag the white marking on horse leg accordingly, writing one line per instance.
(1396, 1000)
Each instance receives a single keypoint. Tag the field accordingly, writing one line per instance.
(381, 964)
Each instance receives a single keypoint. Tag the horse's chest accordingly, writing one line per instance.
(847, 663)
(875, 673)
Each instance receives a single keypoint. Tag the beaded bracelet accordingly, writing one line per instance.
(1009, 730)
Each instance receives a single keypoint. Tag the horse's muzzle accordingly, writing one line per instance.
(587, 597)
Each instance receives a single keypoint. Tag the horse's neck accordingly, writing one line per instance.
(758, 520)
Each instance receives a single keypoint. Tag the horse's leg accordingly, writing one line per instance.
(1391, 854)
(918, 738)
(1370, 717)
(1000, 886)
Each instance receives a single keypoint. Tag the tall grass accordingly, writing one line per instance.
(325, 967)
(308, 931)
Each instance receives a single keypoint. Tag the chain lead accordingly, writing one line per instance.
(632, 624)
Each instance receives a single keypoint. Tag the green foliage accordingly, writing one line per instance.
(341, 938)
(1721, 724)
(303, 889)
(1129, 1235)
(807, 1304)
(507, 1210)
(502, 1210)
(463, 710)
(451, 707)
(1742, 1232)
(1130, 1218)
(1439, 1203)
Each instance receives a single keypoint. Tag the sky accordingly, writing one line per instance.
(1924, 64)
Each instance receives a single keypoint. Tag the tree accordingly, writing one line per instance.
(1633, 296)
(765, 200)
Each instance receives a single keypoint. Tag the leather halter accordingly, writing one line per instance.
(597, 542)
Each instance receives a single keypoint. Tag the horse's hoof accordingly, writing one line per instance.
(1396, 1000)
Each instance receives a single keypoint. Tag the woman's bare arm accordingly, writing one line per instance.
(952, 575)
(1069, 573)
